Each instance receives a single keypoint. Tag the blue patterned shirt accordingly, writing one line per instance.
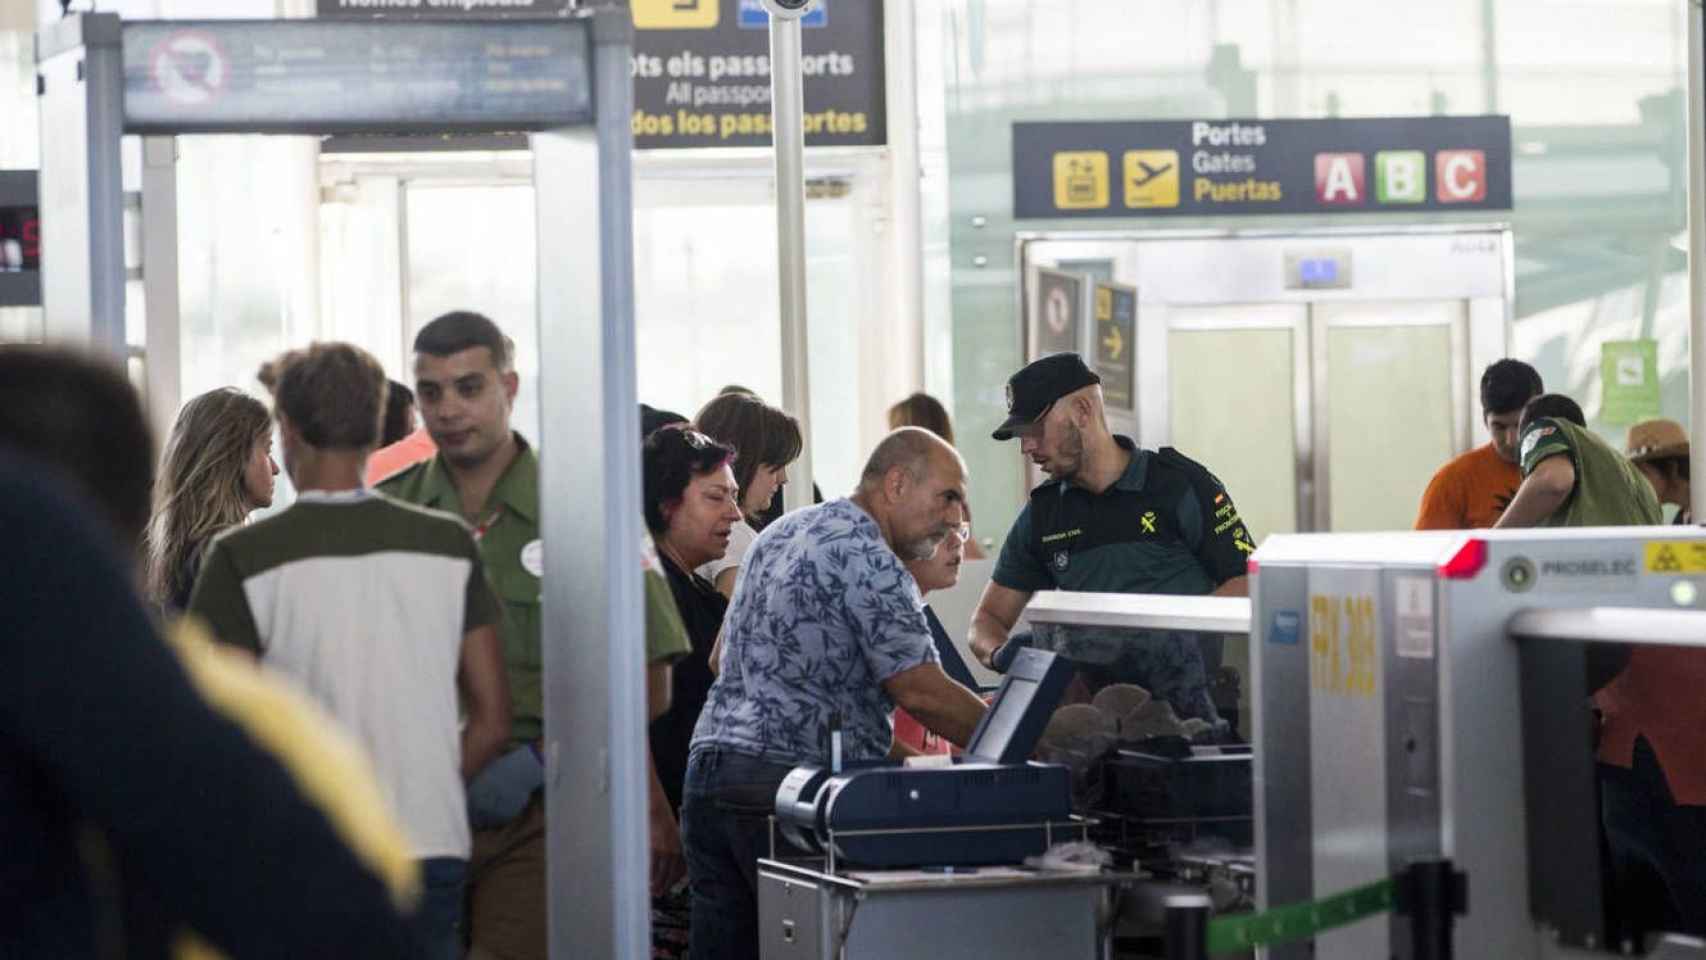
(823, 613)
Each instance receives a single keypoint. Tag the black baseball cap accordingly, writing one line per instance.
(1039, 384)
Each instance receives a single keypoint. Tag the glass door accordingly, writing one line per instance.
(1234, 374)
(1392, 384)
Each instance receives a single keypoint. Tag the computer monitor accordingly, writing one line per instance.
(1020, 712)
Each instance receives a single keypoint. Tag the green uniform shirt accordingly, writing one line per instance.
(666, 633)
(1609, 491)
(1165, 526)
(514, 558)
(508, 532)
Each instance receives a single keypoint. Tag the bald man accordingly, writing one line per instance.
(826, 628)
(1112, 518)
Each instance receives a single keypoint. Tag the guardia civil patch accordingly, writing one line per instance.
(1534, 437)
(1061, 559)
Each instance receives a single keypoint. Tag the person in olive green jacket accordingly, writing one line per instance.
(1572, 478)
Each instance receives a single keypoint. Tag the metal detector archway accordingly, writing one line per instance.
(564, 81)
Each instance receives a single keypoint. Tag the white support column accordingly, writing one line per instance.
(1697, 252)
(594, 621)
(787, 109)
(906, 244)
(160, 282)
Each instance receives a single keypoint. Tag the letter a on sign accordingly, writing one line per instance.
(1339, 179)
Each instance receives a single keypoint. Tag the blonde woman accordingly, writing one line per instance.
(218, 469)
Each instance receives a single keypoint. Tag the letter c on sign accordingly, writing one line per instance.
(1461, 176)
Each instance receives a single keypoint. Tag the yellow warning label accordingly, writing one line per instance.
(1676, 556)
(1080, 180)
(1151, 179)
(676, 14)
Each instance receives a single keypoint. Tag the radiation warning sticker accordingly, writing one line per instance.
(1676, 556)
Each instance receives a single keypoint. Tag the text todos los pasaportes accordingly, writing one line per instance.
(698, 81)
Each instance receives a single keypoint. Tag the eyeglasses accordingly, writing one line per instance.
(693, 438)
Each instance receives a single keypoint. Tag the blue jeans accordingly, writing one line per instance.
(725, 808)
(438, 919)
(1658, 849)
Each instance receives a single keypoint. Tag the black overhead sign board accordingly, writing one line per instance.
(702, 74)
(443, 9)
(306, 75)
(1201, 168)
(702, 67)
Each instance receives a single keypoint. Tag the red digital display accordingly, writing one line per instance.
(20, 238)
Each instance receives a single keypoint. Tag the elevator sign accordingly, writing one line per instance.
(1212, 168)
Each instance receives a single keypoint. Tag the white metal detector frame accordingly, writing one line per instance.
(595, 724)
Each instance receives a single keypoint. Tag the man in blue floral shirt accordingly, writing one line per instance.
(826, 624)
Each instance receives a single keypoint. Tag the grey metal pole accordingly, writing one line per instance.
(787, 112)
(1696, 255)
(598, 861)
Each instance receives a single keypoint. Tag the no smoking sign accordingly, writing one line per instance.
(189, 67)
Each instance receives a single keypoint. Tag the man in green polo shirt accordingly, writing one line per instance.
(484, 472)
(465, 384)
(1112, 518)
(1572, 478)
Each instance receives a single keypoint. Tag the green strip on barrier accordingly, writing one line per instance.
(1298, 921)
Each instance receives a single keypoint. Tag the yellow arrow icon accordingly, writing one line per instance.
(1114, 342)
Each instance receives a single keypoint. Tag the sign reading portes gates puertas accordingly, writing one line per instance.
(702, 67)
(1242, 167)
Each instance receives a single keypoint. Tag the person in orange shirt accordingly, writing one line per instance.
(404, 442)
(1473, 490)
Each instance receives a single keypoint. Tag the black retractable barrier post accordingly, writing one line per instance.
(1431, 894)
(1187, 927)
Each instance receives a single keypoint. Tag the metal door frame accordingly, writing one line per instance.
(593, 601)
(1311, 440)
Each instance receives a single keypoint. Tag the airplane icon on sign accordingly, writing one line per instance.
(1150, 172)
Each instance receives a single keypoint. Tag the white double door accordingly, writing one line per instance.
(1320, 416)
(1319, 409)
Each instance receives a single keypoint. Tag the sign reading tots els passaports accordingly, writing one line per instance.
(1241, 167)
(702, 67)
(702, 74)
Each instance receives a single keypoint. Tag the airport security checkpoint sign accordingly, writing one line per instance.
(702, 67)
(1199, 168)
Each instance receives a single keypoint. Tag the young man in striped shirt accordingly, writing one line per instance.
(379, 609)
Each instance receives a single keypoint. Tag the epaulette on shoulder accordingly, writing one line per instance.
(1178, 461)
(401, 476)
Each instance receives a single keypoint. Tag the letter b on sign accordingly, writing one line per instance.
(1460, 176)
(1400, 176)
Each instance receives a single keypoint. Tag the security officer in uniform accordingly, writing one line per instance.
(1113, 518)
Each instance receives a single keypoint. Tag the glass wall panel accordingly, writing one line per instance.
(1389, 417)
(705, 291)
(1241, 425)
(474, 248)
